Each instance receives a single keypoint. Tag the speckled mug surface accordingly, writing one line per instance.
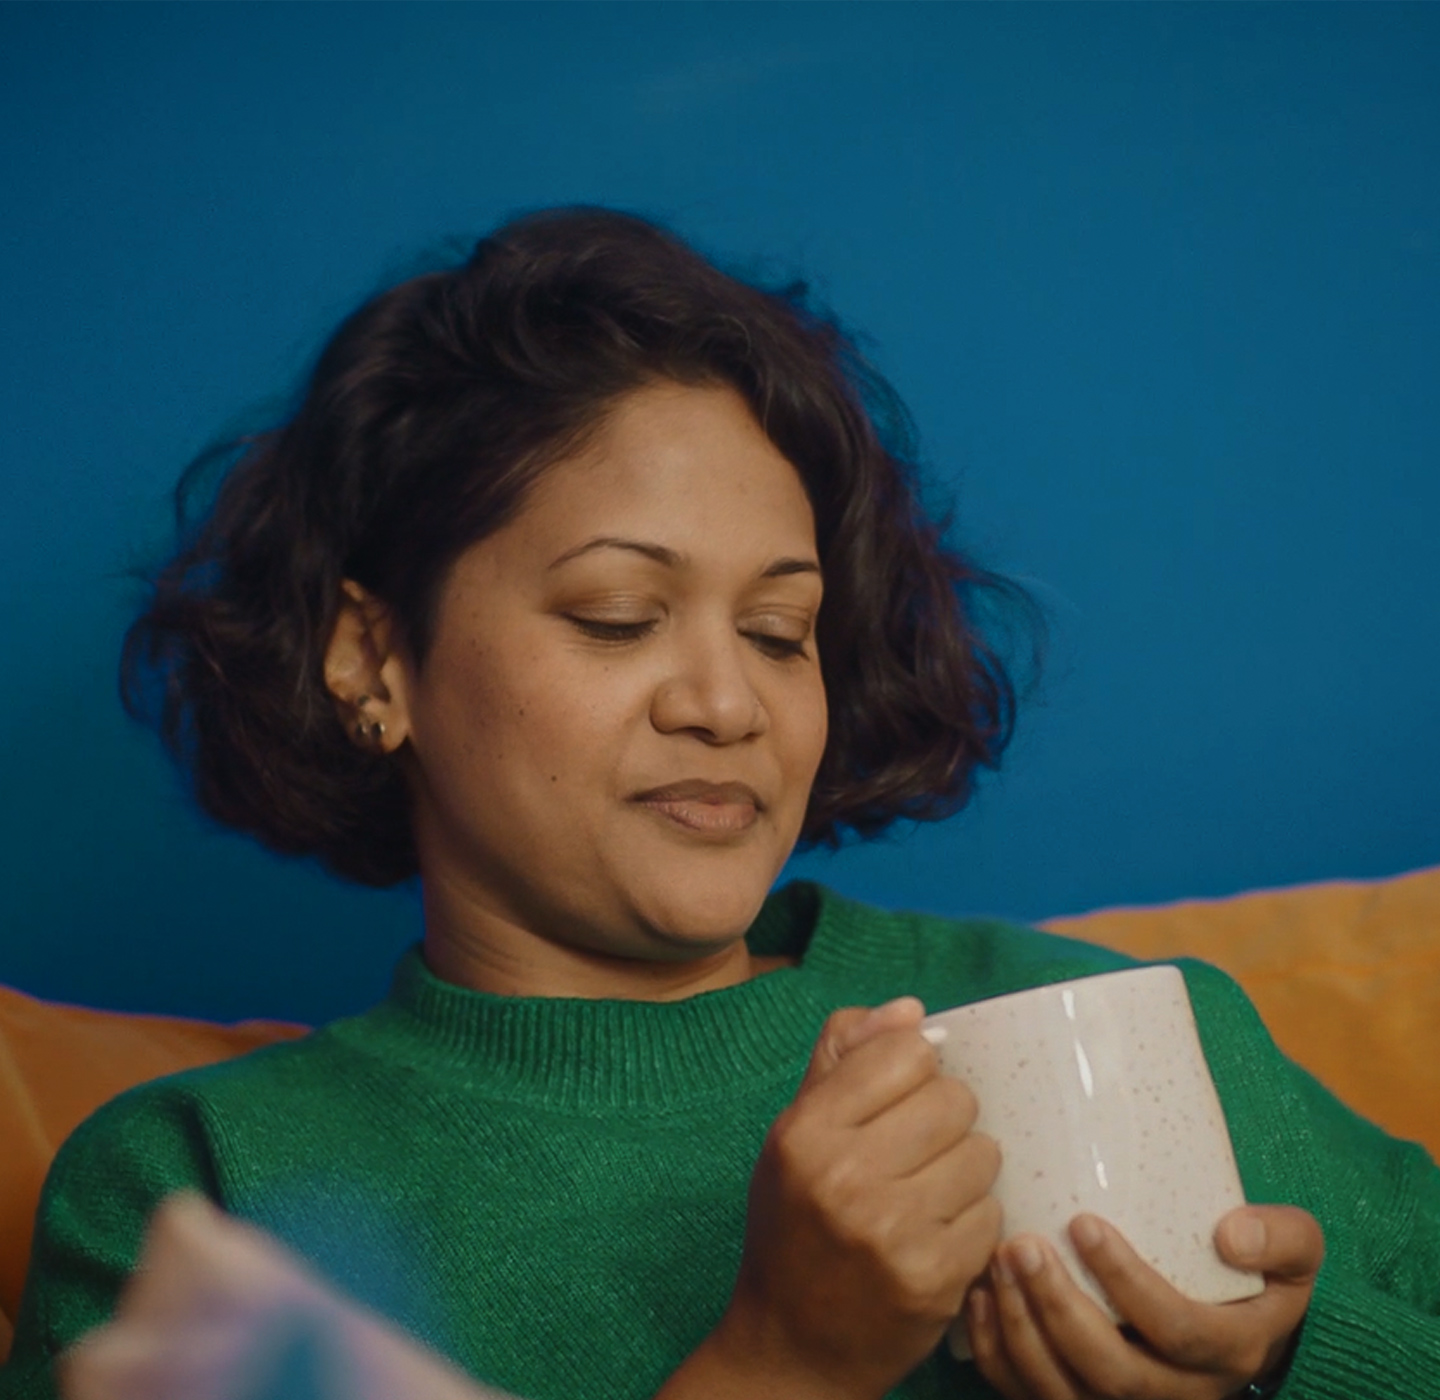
(1098, 1093)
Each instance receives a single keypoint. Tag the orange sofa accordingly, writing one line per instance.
(1346, 974)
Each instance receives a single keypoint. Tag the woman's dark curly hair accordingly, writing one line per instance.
(429, 415)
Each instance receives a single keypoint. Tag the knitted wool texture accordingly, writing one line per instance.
(552, 1191)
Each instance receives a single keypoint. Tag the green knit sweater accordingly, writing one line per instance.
(552, 1191)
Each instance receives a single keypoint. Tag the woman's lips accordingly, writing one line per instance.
(708, 809)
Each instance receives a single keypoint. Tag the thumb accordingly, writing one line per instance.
(852, 1026)
(1282, 1242)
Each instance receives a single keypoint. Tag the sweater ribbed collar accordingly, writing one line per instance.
(597, 1054)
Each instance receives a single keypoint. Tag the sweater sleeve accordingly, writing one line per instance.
(1373, 1327)
(1374, 1322)
(105, 1181)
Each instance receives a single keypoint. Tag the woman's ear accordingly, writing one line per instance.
(366, 672)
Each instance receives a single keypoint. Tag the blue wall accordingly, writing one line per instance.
(1161, 284)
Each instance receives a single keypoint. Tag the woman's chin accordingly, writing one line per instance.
(701, 920)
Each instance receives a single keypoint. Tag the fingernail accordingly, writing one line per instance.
(1029, 1257)
(1087, 1232)
(979, 1306)
(1246, 1234)
(1000, 1267)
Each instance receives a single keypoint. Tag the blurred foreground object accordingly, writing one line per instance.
(216, 1310)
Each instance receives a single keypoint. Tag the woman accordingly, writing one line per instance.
(527, 599)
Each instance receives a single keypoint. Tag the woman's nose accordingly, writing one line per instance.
(708, 692)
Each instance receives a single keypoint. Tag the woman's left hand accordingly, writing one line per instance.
(1036, 1336)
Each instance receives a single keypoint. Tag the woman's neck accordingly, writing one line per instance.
(471, 943)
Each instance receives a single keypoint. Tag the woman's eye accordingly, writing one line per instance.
(611, 631)
(782, 648)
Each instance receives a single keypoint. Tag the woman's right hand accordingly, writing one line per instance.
(870, 1216)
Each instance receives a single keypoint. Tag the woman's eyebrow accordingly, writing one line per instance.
(671, 559)
(782, 567)
(658, 552)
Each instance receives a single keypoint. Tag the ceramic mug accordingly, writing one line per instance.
(1098, 1093)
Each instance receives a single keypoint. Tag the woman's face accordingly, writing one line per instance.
(612, 740)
